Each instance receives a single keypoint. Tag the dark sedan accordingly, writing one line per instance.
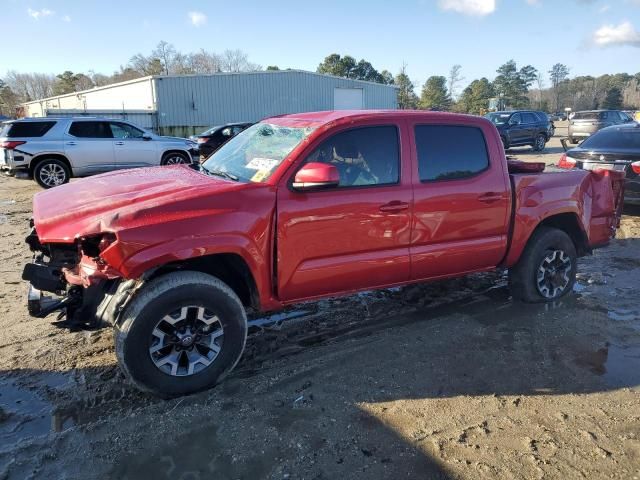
(615, 148)
(215, 137)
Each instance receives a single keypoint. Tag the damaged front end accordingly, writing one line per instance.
(71, 279)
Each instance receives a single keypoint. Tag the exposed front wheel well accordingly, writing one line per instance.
(569, 223)
(228, 267)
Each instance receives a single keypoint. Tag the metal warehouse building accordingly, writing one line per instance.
(185, 104)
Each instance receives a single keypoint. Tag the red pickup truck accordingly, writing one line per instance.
(296, 208)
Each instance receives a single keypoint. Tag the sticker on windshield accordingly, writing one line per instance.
(260, 175)
(259, 163)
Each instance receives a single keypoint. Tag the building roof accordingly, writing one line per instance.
(161, 77)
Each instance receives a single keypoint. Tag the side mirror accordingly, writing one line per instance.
(514, 122)
(315, 176)
(146, 136)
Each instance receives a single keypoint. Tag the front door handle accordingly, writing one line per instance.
(119, 143)
(71, 143)
(490, 197)
(395, 206)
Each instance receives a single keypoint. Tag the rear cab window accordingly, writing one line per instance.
(450, 152)
(26, 129)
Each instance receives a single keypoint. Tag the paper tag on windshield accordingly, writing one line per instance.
(260, 175)
(259, 163)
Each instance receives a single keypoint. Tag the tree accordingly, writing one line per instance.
(8, 100)
(65, 83)
(613, 99)
(435, 95)
(165, 52)
(30, 86)
(558, 75)
(407, 98)
(347, 67)
(513, 84)
(387, 77)
(273, 68)
(454, 79)
(237, 61)
(475, 98)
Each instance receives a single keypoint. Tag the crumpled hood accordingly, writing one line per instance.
(117, 200)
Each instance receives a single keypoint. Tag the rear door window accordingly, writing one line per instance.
(90, 130)
(449, 152)
(26, 129)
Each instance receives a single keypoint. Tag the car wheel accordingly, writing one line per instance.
(182, 333)
(51, 172)
(546, 270)
(175, 158)
(573, 140)
(539, 143)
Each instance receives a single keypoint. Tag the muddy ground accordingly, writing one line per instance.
(447, 380)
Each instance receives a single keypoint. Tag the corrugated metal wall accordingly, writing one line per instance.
(141, 118)
(187, 104)
(133, 95)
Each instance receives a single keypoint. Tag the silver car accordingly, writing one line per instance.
(52, 150)
(585, 124)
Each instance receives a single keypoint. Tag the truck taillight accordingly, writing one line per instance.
(635, 166)
(11, 144)
(566, 162)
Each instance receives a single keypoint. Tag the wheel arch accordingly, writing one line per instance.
(175, 150)
(567, 221)
(570, 224)
(230, 268)
(43, 156)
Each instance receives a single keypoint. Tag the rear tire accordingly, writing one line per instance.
(51, 172)
(182, 333)
(539, 143)
(546, 270)
(573, 140)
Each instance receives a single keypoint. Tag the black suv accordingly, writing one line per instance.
(522, 127)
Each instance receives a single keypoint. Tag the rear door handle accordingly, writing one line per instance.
(71, 143)
(395, 206)
(119, 143)
(490, 197)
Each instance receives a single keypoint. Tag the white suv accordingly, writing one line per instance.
(52, 150)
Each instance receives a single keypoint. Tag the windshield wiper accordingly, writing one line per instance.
(220, 173)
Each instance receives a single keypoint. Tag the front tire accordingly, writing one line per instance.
(182, 333)
(51, 172)
(175, 158)
(546, 270)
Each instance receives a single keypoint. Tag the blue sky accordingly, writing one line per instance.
(590, 36)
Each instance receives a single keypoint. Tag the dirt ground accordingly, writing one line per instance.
(441, 381)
